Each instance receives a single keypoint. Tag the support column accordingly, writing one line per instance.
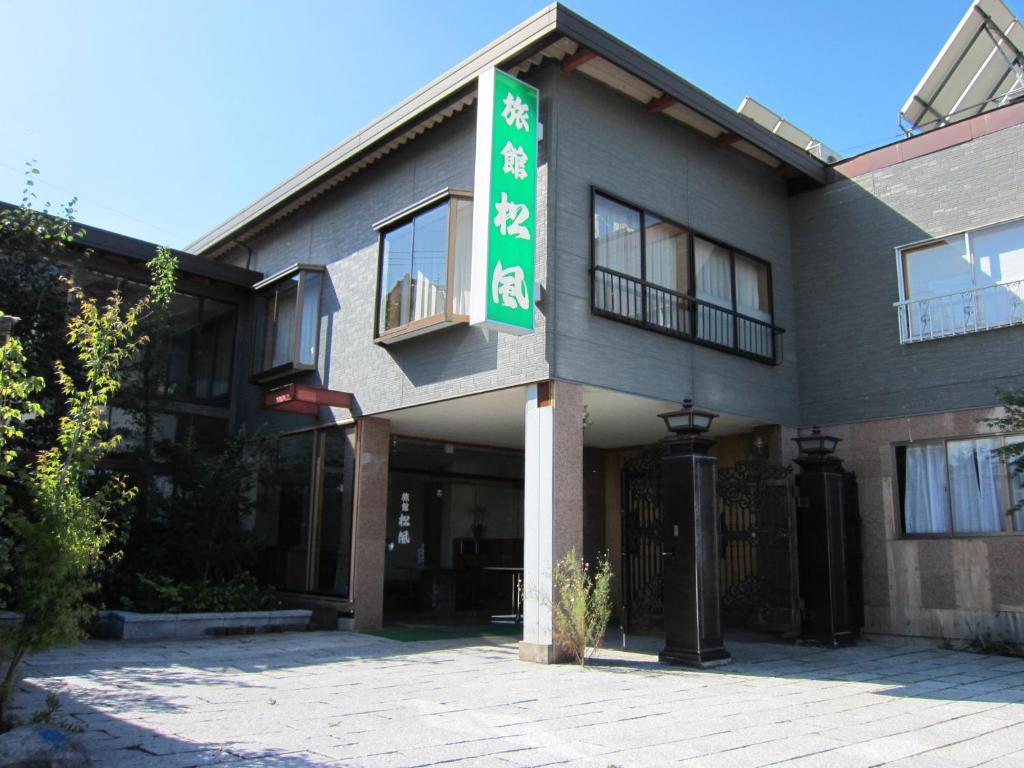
(690, 554)
(553, 504)
(373, 449)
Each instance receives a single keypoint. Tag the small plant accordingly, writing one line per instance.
(53, 716)
(582, 604)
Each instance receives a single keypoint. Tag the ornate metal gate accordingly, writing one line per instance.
(759, 576)
(758, 567)
(641, 543)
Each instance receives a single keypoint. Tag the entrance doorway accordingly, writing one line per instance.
(454, 541)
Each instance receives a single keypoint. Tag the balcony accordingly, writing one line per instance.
(628, 299)
(962, 312)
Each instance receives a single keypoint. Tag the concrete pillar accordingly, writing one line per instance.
(553, 504)
(373, 448)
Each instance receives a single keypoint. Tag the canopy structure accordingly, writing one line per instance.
(981, 67)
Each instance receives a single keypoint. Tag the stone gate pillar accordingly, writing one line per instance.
(822, 542)
(690, 553)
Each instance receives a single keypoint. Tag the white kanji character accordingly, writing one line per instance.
(511, 217)
(509, 286)
(403, 521)
(515, 160)
(405, 496)
(403, 537)
(516, 112)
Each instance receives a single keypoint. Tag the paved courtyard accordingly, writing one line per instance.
(340, 698)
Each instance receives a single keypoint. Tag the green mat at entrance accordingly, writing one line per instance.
(420, 634)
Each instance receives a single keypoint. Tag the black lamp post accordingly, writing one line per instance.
(689, 503)
(821, 541)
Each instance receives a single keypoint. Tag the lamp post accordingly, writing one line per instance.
(690, 531)
(822, 541)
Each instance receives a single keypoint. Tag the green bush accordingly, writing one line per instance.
(161, 594)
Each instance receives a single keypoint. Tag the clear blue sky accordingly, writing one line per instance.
(164, 118)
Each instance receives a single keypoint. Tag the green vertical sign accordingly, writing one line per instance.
(504, 203)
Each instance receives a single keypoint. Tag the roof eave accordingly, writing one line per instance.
(550, 23)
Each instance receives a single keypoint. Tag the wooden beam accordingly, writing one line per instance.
(660, 104)
(784, 171)
(727, 139)
(577, 60)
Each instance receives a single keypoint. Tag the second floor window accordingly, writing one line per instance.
(424, 266)
(289, 315)
(655, 273)
(964, 283)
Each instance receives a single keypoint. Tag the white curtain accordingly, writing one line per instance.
(976, 485)
(926, 507)
(714, 285)
(463, 256)
(749, 298)
(617, 247)
(666, 266)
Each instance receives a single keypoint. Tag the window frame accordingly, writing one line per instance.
(899, 474)
(900, 252)
(399, 219)
(691, 295)
(264, 372)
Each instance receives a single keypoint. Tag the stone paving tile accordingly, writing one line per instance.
(344, 699)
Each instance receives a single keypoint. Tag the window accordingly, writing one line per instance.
(424, 266)
(958, 487)
(303, 517)
(200, 348)
(289, 331)
(961, 284)
(657, 274)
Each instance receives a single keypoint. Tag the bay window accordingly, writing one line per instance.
(288, 332)
(657, 274)
(960, 284)
(424, 266)
(959, 486)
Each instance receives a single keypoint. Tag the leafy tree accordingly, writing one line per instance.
(35, 249)
(61, 530)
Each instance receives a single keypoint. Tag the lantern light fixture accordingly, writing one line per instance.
(688, 420)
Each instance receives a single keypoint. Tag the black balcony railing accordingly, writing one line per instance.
(623, 297)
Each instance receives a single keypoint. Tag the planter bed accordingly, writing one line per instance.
(126, 625)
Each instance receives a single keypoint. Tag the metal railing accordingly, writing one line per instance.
(962, 312)
(661, 309)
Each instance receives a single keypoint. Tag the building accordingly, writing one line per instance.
(682, 250)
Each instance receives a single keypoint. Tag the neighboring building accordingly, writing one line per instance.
(683, 250)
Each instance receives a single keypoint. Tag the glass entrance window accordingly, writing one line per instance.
(334, 522)
(303, 520)
(282, 517)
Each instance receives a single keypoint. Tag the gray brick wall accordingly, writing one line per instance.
(335, 230)
(609, 141)
(852, 365)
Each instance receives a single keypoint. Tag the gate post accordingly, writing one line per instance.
(821, 542)
(690, 544)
